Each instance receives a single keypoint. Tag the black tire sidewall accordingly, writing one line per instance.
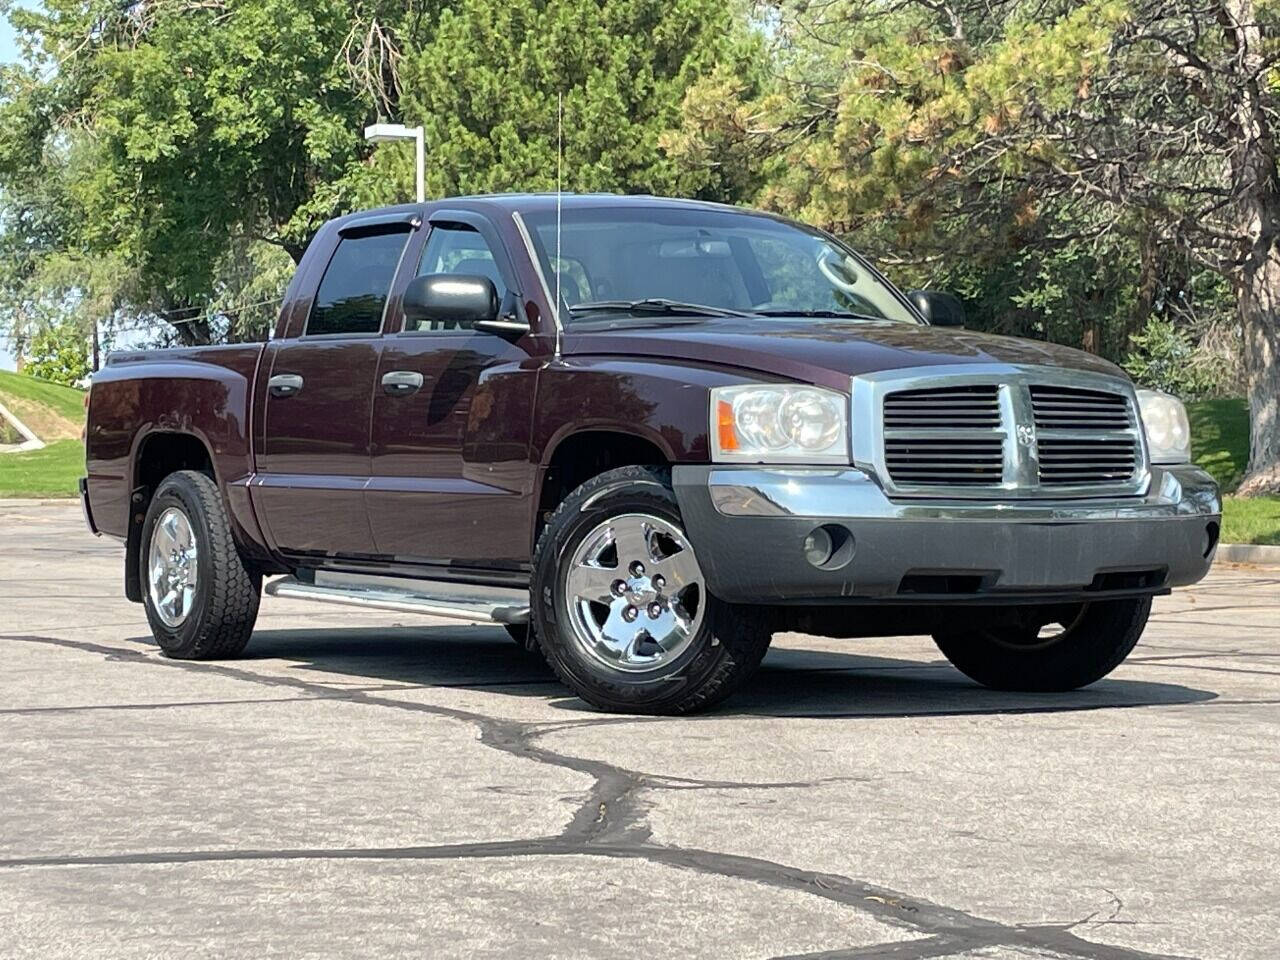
(1096, 644)
(182, 640)
(603, 687)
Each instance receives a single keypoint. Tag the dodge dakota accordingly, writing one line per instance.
(644, 435)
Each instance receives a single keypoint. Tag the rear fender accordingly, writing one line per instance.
(203, 394)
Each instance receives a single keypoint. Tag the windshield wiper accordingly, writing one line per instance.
(834, 314)
(655, 305)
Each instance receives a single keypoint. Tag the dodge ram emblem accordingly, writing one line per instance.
(1026, 434)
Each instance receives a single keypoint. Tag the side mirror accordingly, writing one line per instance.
(452, 298)
(940, 309)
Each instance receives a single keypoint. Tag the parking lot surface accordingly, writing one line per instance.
(376, 785)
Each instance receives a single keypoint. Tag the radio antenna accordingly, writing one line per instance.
(556, 267)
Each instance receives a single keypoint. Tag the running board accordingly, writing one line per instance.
(432, 598)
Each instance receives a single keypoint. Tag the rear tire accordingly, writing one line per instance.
(1094, 642)
(200, 598)
(681, 649)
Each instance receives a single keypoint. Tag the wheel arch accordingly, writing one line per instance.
(157, 454)
(581, 454)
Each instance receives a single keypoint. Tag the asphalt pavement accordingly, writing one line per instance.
(376, 785)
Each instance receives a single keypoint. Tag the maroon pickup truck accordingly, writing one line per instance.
(644, 435)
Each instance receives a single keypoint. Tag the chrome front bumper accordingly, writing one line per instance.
(748, 527)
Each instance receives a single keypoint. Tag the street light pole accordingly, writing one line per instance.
(387, 132)
(420, 162)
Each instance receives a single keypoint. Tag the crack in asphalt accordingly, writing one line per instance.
(610, 822)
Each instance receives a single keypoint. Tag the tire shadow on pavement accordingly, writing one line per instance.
(790, 683)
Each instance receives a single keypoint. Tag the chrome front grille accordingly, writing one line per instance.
(1018, 432)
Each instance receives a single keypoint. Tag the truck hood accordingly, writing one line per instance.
(819, 351)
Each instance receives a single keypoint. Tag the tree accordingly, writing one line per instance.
(58, 354)
(183, 129)
(486, 79)
(188, 139)
(952, 126)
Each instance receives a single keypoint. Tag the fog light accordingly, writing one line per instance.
(818, 546)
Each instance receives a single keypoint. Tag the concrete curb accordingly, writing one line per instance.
(1249, 553)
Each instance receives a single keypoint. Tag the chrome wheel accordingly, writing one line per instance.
(634, 593)
(172, 569)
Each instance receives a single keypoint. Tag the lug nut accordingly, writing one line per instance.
(630, 614)
(619, 588)
(659, 582)
(637, 569)
(655, 611)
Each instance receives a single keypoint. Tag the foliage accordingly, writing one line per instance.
(486, 81)
(1164, 358)
(58, 354)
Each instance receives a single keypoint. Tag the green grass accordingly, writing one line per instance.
(54, 413)
(50, 472)
(1220, 439)
(1255, 520)
(1220, 444)
(65, 401)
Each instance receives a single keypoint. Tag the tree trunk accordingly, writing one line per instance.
(1259, 304)
(1090, 341)
(1256, 183)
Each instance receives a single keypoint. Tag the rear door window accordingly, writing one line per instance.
(353, 291)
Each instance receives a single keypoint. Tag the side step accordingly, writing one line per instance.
(432, 598)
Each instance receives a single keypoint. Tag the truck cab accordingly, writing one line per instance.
(643, 435)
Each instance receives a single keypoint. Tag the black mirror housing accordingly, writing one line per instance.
(452, 298)
(940, 309)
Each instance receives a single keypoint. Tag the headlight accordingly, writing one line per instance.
(779, 424)
(1165, 420)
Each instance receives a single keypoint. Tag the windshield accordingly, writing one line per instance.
(643, 260)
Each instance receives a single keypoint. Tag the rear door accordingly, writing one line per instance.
(452, 482)
(315, 463)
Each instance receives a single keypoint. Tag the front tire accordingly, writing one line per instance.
(1094, 639)
(200, 598)
(621, 610)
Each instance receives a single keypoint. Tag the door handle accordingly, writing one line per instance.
(284, 384)
(401, 383)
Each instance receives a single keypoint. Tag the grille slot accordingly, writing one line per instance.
(1083, 461)
(934, 461)
(1090, 452)
(1070, 408)
(944, 408)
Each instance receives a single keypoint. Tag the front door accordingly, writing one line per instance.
(315, 459)
(451, 480)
